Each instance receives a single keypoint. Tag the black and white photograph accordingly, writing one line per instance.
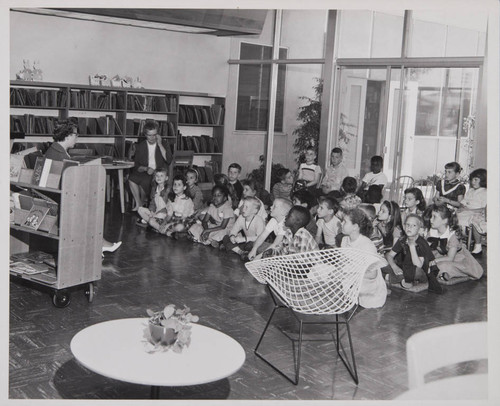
(254, 201)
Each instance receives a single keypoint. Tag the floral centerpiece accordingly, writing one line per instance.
(169, 328)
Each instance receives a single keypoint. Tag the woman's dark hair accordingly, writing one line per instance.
(359, 217)
(63, 128)
(453, 165)
(415, 191)
(480, 174)
(171, 195)
(395, 221)
(349, 184)
(446, 214)
(426, 217)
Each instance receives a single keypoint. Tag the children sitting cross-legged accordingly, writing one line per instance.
(218, 219)
(179, 208)
(455, 262)
(276, 225)
(246, 229)
(357, 228)
(417, 264)
(283, 188)
(157, 211)
(328, 223)
(297, 238)
(306, 199)
(250, 190)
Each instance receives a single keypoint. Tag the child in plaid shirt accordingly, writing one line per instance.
(297, 238)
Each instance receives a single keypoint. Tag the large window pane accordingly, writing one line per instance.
(448, 33)
(295, 24)
(387, 34)
(355, 31)
(253, 90)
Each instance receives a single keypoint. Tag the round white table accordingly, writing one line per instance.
(463, 387)
(115, 349)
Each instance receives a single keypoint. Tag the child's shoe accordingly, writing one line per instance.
(141, 223)
(434, 285)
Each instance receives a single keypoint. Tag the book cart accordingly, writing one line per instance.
(76, 243)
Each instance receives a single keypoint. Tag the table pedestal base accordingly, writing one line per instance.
(155, 392)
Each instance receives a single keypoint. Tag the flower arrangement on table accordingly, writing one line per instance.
(169, 328)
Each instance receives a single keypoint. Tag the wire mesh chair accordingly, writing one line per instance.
(314, 283)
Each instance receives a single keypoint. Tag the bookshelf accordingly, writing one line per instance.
(75, 238)
(115, 116)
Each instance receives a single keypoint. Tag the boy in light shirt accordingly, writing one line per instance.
(328, 223)
(276, 224)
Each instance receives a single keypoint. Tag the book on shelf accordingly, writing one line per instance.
(16, 164)
(47, 172)
(24, 268)
(35, 217)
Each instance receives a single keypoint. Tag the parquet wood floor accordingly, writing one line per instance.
(150, 270)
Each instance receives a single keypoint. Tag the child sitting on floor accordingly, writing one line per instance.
(376, 236)
(297, 238)
(452, 258)
(417, 260)
(218, 219)
(283, 188)
(450, 191)
(389, 224)
(357, 229)
(222, 180)
(350, 200)
(193, 190)
(276, 225)
(157, 210)
(472, 209)
(250, 190)
(246, 229)
(306, 199)
(179, 208)
(328, 223)
(233, 175)
(414, 203)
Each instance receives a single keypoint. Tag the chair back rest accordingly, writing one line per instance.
(316, 282)
(402, 183)
(441, 346)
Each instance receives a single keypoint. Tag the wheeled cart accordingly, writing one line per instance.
(76, 243)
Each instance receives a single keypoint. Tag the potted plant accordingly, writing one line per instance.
(169, 328)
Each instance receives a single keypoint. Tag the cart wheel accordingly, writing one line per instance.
(61, 299)
(90, 292)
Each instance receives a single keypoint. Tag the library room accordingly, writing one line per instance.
(253, 204)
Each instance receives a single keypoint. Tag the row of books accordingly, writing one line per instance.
(31, 124)
(199, 144)
(209, 115)
(165, 103)
(38, 263)
(136, 127)
(38, 97)
(104, 125)
(87, 99)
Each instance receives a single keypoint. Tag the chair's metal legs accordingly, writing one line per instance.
(296, 360)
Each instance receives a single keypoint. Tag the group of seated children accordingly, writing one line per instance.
(420, 244)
